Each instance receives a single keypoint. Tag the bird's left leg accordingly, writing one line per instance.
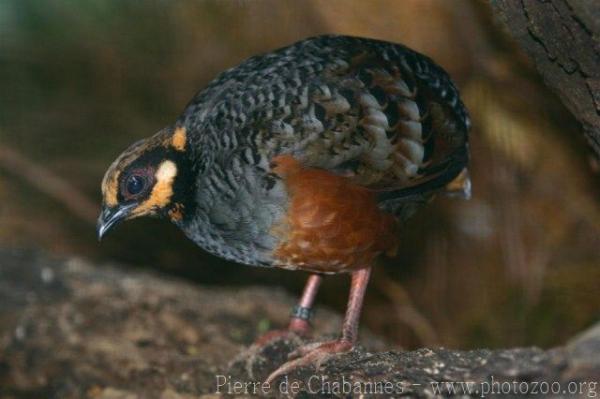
(316, 353)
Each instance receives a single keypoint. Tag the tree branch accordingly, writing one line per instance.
(561, 36)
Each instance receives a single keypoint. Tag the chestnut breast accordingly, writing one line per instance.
(331, 224)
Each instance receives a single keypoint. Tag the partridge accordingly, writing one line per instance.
(306, 158)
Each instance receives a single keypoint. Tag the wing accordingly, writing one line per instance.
(379, 113)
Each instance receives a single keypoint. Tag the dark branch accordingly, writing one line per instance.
(561, 36)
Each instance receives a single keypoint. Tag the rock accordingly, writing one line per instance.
(70, 329)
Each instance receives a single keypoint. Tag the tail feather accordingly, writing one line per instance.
(446, 176)
(460, 186)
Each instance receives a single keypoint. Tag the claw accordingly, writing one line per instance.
(253, 353)
(314, 354)
(304, 350)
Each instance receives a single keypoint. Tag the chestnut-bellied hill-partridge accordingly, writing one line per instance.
(307, 158)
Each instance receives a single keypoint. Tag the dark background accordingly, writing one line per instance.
(518, 264)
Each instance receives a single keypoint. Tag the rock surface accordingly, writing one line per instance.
(69, 329)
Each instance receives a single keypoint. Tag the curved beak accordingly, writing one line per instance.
(111, 217)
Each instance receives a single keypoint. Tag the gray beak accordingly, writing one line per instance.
(111, 217)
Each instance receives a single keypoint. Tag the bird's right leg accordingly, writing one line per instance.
(299, 325)
(301, 313)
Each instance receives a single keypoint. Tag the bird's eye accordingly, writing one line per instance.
(135, 184)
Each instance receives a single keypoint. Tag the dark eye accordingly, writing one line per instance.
(135, 184)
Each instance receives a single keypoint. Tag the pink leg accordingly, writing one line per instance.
(300, 319)
(299, 324)
(317, 353)
(358, 287)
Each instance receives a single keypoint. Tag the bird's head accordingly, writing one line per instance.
(150, 178)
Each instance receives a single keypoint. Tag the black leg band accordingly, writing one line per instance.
(300, 312)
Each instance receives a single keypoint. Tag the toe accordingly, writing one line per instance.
(304, 350)
(261, 350)
(283, 370)
(314, 354)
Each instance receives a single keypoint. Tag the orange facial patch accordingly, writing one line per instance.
(110, 187)
(332, 225)
(110, 184)
(165, 137)
(179, 139)
(162, 191)
(176, 213)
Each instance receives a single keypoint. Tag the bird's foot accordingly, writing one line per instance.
(255, 352)
(311, 354)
